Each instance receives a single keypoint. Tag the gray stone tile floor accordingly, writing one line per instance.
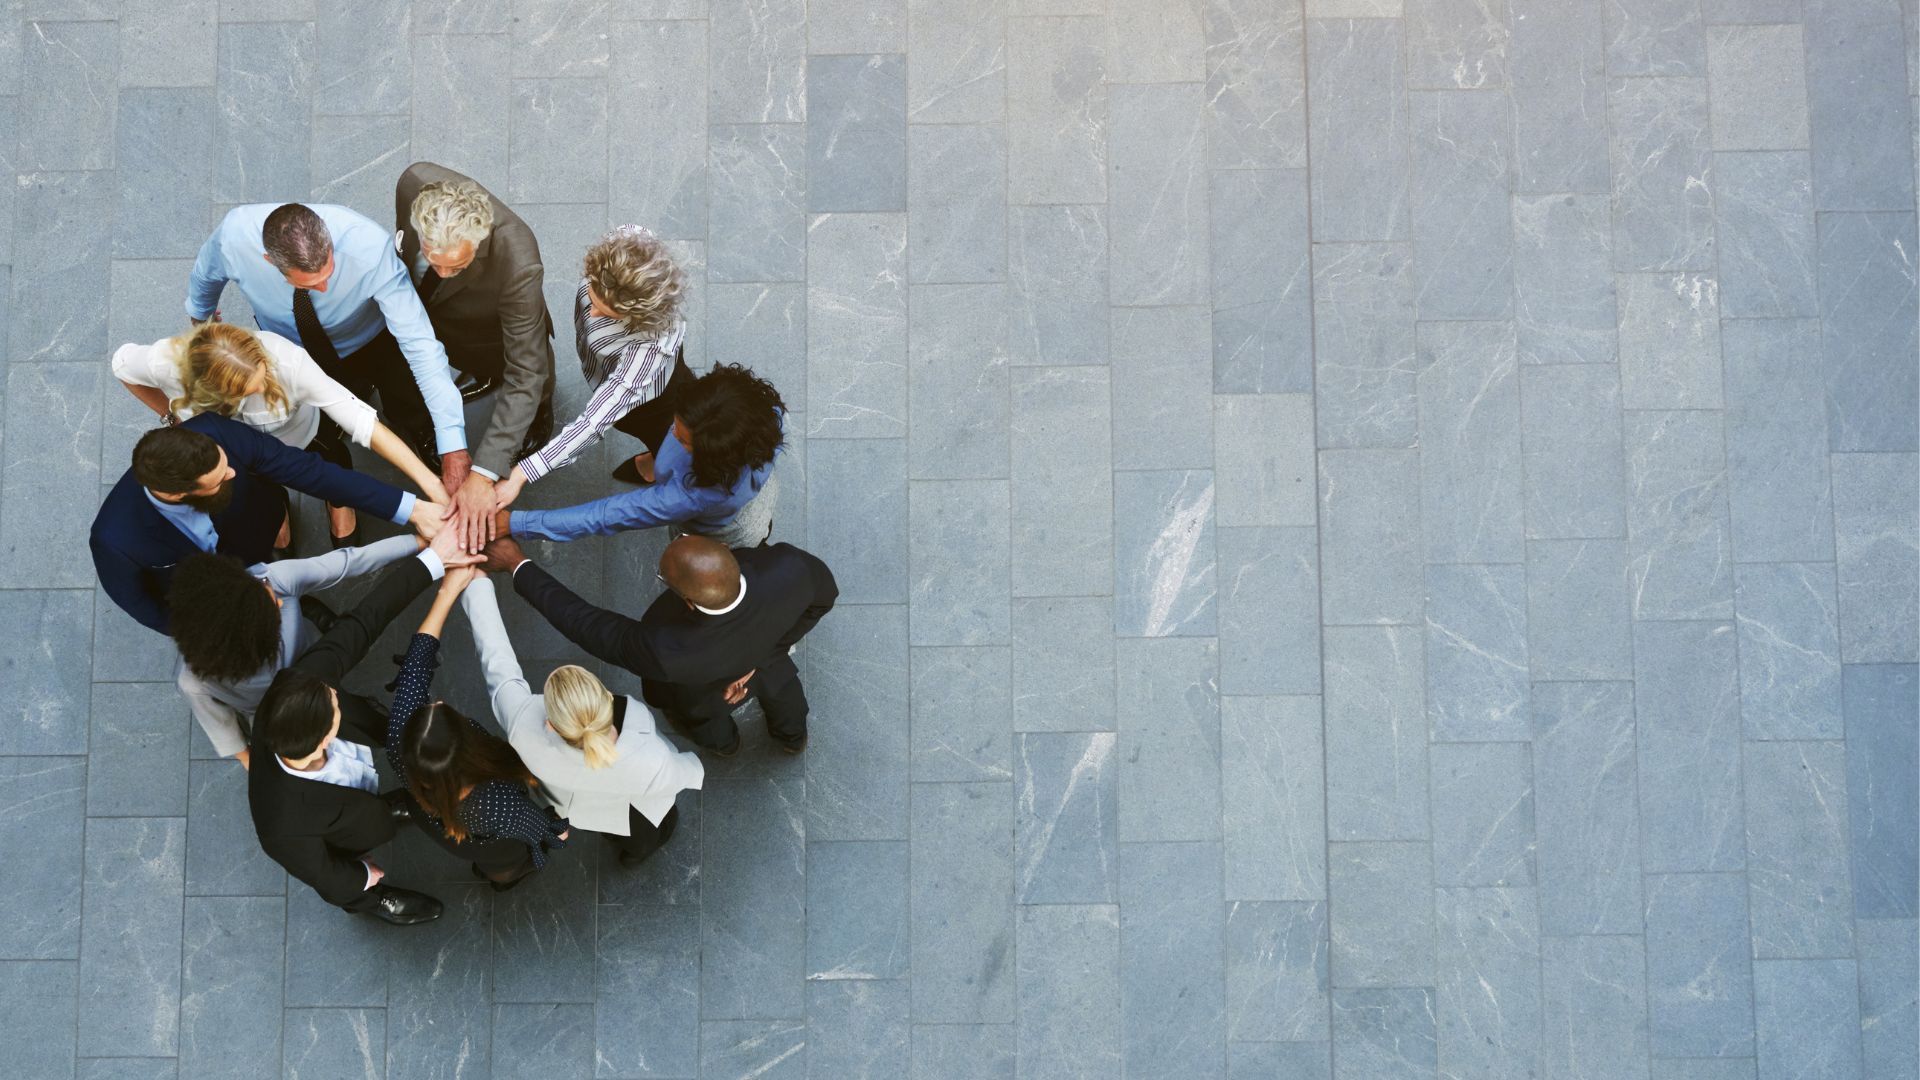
(1377, 538)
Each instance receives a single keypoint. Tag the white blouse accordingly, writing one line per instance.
(310, 391)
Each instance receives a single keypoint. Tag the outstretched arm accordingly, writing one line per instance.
(608, 635)
(304, 471)
(507, 687)
(343, 647)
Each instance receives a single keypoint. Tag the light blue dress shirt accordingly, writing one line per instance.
(673, 498)
(348, 764)
(199, 527)
(369, 291)
(194, 523)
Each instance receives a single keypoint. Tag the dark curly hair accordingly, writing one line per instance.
(223, 620)
(734, 417)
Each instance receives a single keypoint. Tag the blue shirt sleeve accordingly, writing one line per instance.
(407, 320)
(641, 508)
(208, 277)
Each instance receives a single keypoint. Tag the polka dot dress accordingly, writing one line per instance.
(495, 810)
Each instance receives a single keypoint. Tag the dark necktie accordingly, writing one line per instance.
(312, 334)
(429, 281)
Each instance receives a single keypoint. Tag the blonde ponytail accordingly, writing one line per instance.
(581, 711)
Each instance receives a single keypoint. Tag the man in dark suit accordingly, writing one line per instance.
(721, 631)
(313, 790)
(214, 484)
(477, 268)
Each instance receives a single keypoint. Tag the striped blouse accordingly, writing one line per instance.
(625, 369)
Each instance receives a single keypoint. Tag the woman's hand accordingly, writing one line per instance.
(508, 489)
(457, 580)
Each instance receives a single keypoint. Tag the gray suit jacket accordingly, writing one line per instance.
(492, 316)
(647, 774)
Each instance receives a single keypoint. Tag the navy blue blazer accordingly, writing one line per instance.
(135, 548)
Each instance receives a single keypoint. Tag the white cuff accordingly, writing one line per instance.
(435, 567)
(488, 473)
(370, 877)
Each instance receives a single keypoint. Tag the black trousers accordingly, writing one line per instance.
(380, 367)
(650, 421)
(644, 837)
(705, 717)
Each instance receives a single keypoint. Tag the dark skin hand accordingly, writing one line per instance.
(503, 554)
(501, 518)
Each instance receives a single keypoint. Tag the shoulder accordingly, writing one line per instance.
(118, 509)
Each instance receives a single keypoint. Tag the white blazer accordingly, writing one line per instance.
(647, 774)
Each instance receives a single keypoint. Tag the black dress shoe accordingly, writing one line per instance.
(473, 387)
(317, 613)
(399, 807)
(793, 746)
(404, 907)
(628, 473)
(499, 886)
(729, 750)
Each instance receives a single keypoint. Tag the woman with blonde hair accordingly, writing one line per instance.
(629, 334)
(600, 758)
(271, 384)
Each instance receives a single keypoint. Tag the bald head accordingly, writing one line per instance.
(701, 570)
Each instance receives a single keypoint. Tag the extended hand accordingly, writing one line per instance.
(508, 489)
(504, 554)
(454, 466)
(471, 511)
(458, 578)
(447, 546)
(737, 689)
(427, 517)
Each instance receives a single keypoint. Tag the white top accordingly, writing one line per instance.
(647, 771)
(310, 391)
(348, 764)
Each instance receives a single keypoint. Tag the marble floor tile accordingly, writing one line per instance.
(1488, 1002)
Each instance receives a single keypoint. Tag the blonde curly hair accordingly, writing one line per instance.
(632, 272)
(217, 361)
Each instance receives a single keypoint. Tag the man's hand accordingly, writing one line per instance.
(427, 517)
(471, 511)
(504, 554)
(447, 546)
(502, 523)
(737, 689)
(454, 467)
(215, 317)
(508, 489)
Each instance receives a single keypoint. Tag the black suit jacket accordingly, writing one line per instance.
(135, 549)
(492, 316)
(316, 830)
(788, 590)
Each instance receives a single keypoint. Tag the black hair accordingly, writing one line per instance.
(734, 417)
(295, 714)
(223, 620)
(296, 239)
(446, 753)
(171, 460)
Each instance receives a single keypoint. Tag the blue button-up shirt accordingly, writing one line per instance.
(199, 527)
(369, 291)
(672, 498)
(196, 524)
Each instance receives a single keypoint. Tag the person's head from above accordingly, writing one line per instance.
(299, 246)
(729, 420)
(701, 571)
(631, 276)
(298, 716)
(225, 621)
(446, 756)
(452, 218)
(222, 365)
(580, 711)
(183, 466)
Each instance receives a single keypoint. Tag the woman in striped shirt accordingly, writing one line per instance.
(628, 331)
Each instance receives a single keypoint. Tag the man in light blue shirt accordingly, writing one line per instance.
(330, 279)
